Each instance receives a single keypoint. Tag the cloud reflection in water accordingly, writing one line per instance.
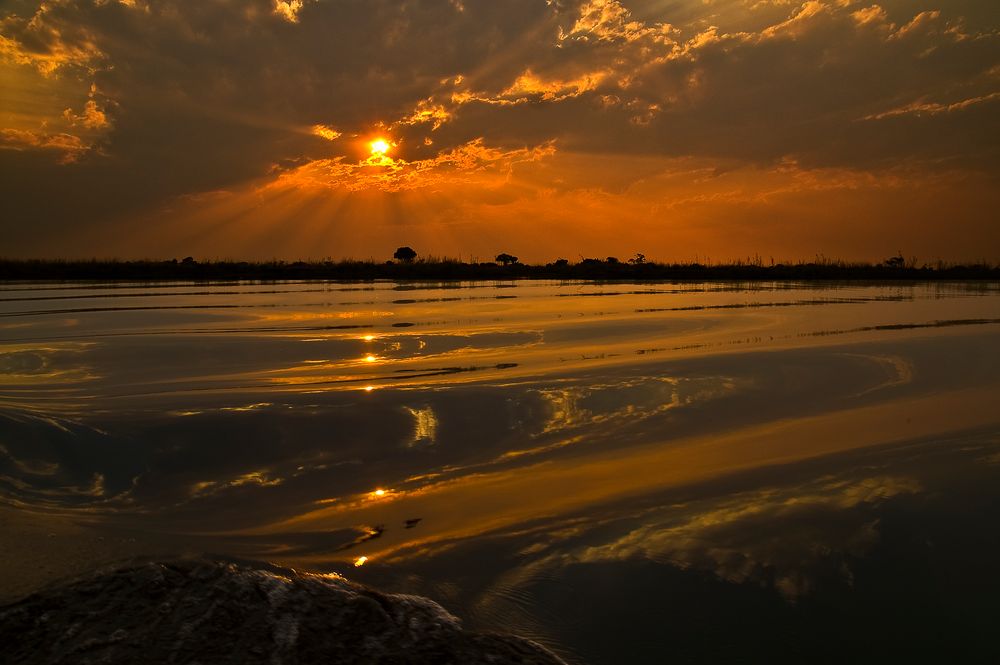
(552, 423)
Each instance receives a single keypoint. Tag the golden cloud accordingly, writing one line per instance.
(471, 162)
(328, 133)
(428, 112)
(288, 9)
(19, 139)
(52, 53)
(922, 107)
(608, 20)
(732, 539)
(92, 117)
(553, 90)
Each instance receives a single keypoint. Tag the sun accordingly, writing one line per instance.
(379, 147)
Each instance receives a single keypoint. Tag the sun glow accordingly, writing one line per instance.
(379, 147)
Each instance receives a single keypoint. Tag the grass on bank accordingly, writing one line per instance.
(505, 266)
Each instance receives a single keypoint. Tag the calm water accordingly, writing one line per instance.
(627, 473)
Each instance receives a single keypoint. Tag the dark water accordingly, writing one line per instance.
(626, 473)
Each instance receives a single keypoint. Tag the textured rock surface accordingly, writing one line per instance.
(207, 612)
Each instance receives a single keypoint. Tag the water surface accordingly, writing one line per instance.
(634, 473)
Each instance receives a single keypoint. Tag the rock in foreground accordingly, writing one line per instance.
(208, 612)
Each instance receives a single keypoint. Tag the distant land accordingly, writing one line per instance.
(507, 267)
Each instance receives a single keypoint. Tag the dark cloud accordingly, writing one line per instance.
(197, 97)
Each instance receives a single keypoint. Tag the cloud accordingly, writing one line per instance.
(47, 45)
(92, 116)
(793, 88)
(328, 133)
(70, 146)
(472, 161)
(288, 9)
(199, 97)
(609, 20)
(933, 108)
(767, 537)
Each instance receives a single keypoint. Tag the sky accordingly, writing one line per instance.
(705, 130)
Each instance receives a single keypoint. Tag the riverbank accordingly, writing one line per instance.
(445, 270)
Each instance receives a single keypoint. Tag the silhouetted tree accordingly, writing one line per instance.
(506, 259)
(639, 258)
(561, 262)
(404, 254)
(611, 259)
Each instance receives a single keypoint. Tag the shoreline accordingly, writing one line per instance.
(589, 269)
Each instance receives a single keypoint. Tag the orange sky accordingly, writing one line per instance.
(691, 129)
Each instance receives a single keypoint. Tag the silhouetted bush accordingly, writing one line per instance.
(895, 261)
